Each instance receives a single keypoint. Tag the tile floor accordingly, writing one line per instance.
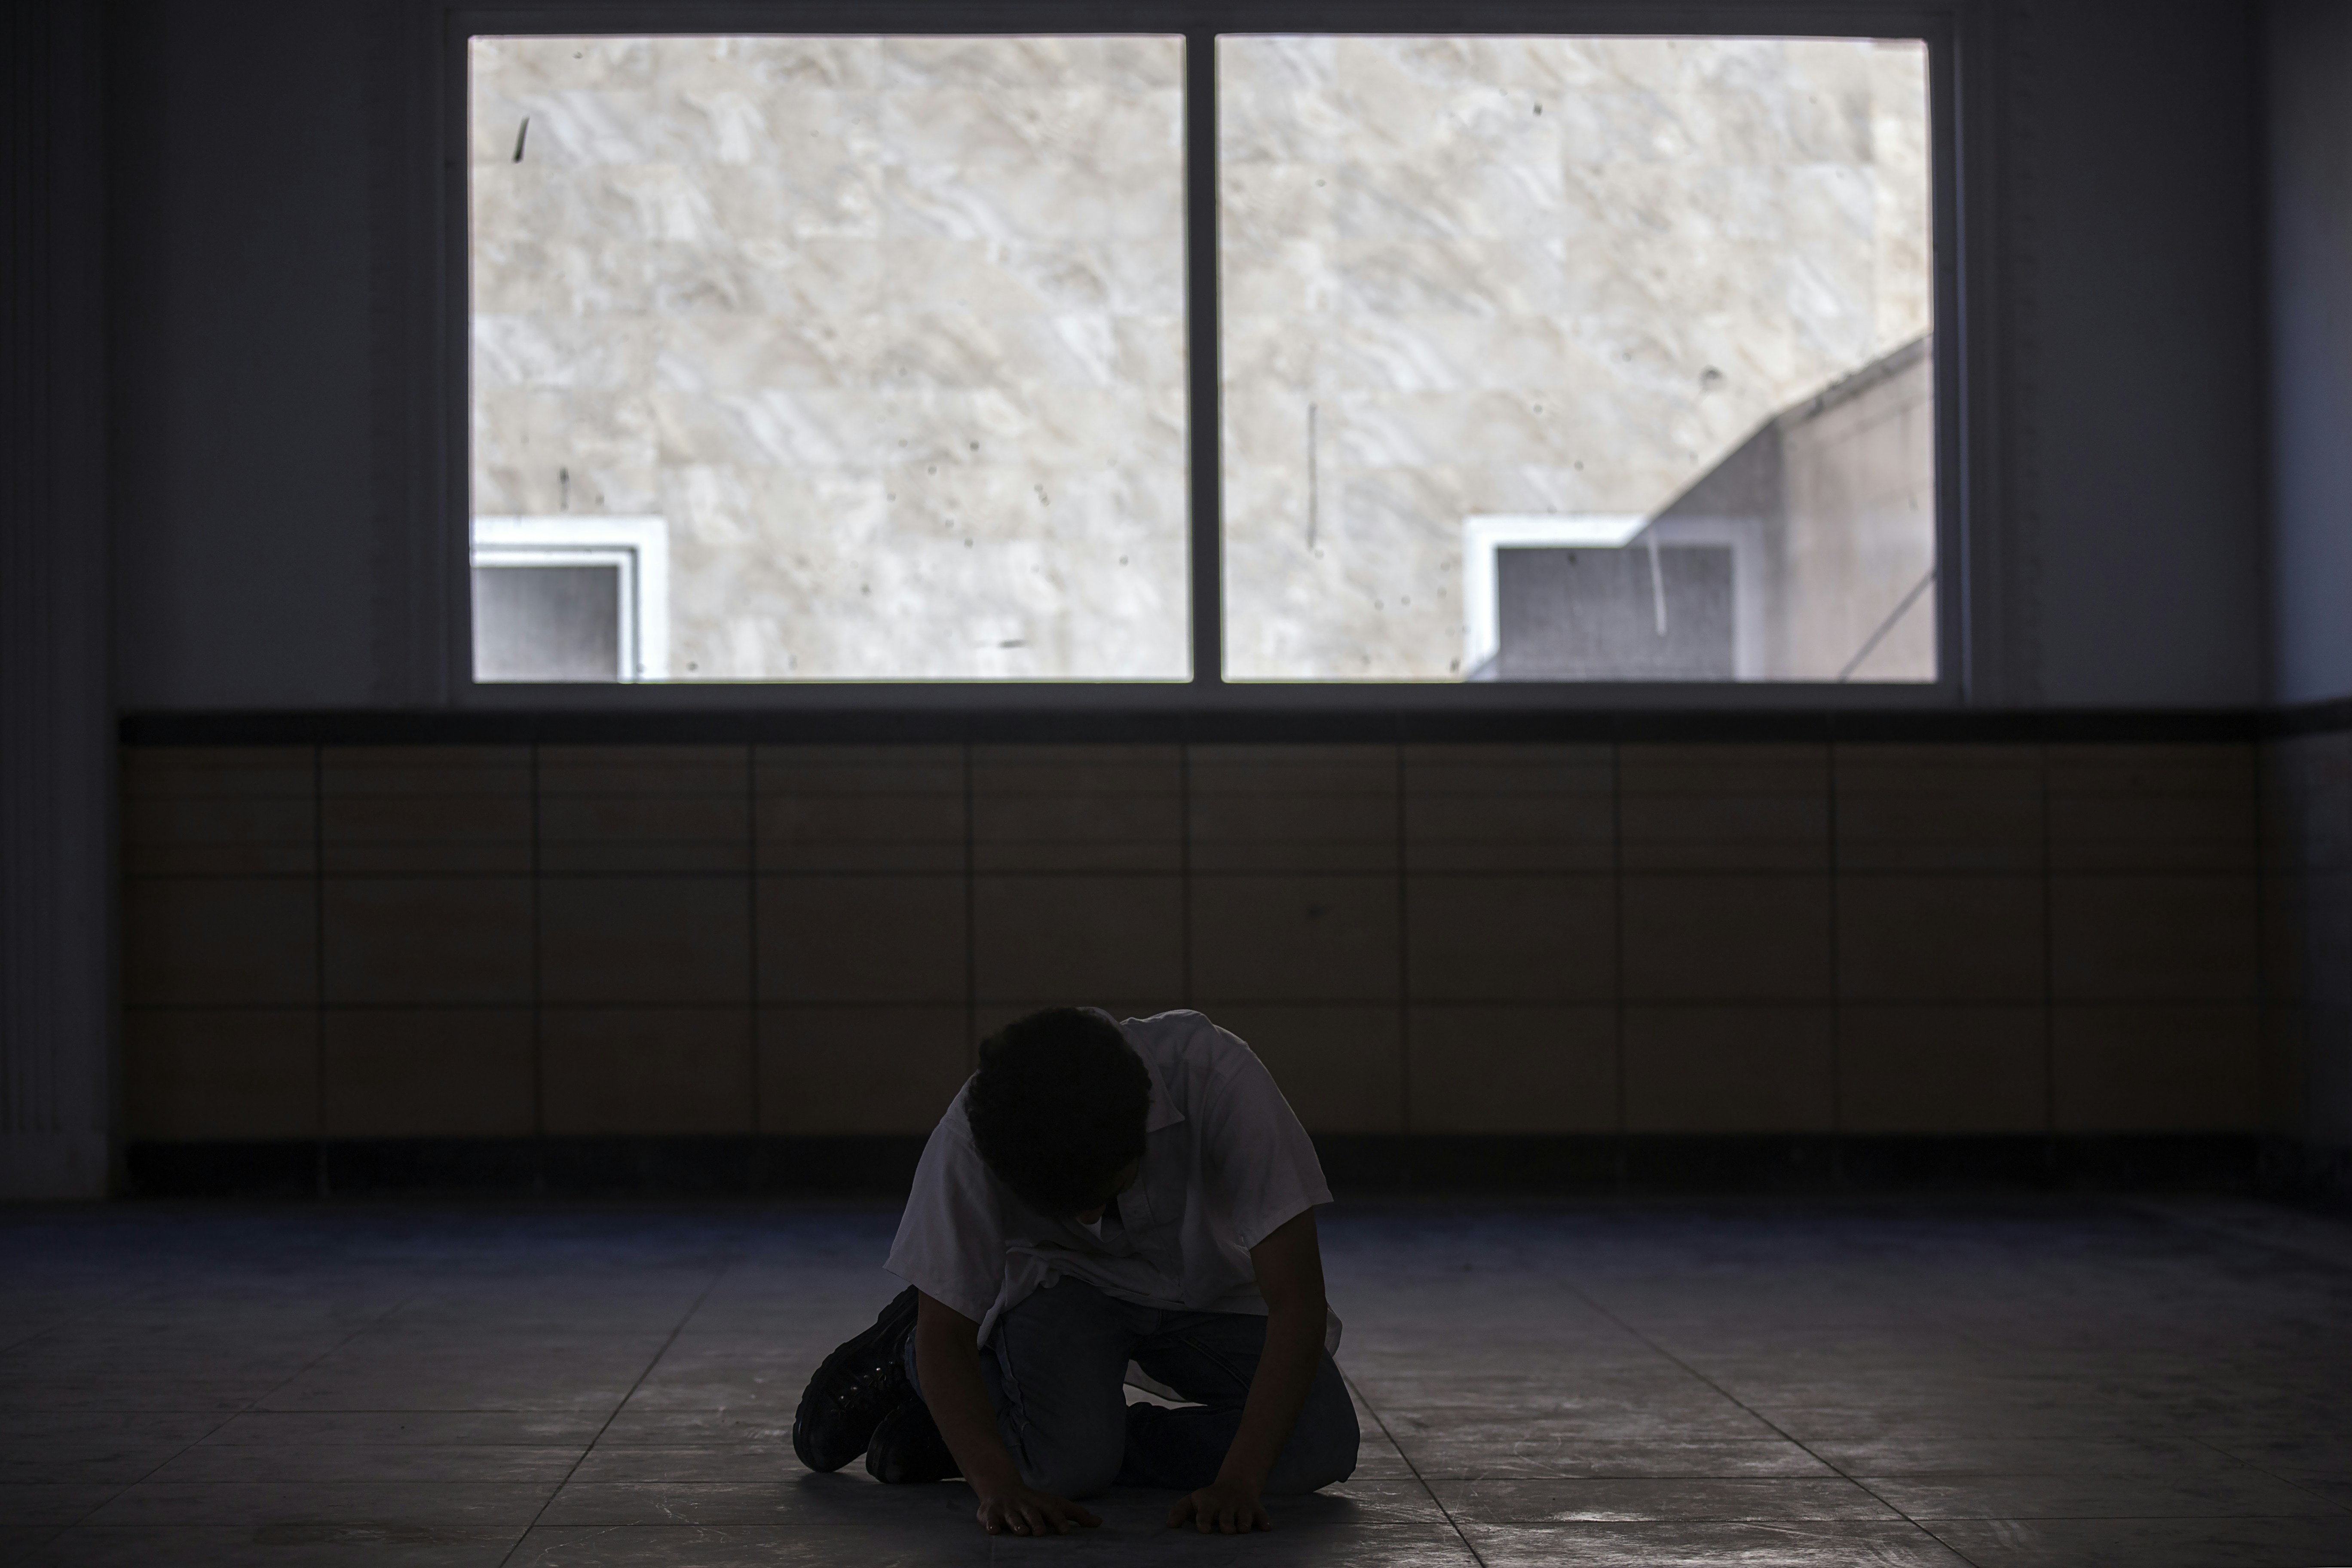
(2068, 1381)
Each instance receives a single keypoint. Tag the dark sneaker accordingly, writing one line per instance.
(858, 1385)
(907, 1447)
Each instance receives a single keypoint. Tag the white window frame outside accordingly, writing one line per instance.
(1485, 534)
(638, 546)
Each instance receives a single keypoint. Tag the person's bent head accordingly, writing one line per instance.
(1058, 1107)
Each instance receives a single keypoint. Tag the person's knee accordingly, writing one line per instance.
(1323, 1445)
(1328, 1456)
(1072, 1448)
(1075, 1469)
(1059, 1403)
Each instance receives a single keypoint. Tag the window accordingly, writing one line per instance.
(890, 331)
(1564, 359)
(571, 598)
(1575, 358)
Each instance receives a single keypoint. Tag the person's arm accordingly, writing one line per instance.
(947, 1355)
(1289, 1266)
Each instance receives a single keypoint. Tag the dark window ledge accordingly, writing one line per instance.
(1359, 1167)
(778, 727)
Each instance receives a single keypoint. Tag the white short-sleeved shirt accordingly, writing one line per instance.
(1225, 1163)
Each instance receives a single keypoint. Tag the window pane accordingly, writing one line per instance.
(1576, 358)
(846, 358)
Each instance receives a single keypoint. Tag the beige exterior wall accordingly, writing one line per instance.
(1860, 550)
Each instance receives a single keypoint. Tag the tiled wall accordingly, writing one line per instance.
(2307, 909)
(498, 940)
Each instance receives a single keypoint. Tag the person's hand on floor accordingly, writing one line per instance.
(1230, 1507)
(1026, 1510)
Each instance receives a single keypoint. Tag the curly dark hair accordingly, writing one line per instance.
(1058, 1107)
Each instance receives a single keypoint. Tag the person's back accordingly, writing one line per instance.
(1100, 1194)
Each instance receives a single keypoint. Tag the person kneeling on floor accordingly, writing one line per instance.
(1100, 1194)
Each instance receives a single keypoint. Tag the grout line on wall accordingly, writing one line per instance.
(752, 956)
(2269, 1023)
(971, 922)
(1184, 870)
(1617, 919)
(318, 955)
(1403, 958)
(2049, 958)
(1837, 971)
(538, 1020)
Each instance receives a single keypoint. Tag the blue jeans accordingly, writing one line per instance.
(1058, 1366)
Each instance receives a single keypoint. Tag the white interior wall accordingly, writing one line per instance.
(2310, 122)
(2138, 302)
(241, 335)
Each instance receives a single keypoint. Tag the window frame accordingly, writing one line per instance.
(638, 546)
(1962, 555)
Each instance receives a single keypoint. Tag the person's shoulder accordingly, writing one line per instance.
(950, 1156)
(1190, 1046)
(1161, 1028)
(1179, 1037)
(954, 1127)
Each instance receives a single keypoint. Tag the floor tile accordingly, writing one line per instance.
(49, 1505)
(1917, 1455)
(1397, 1500)
(1379, 1459)
(1829, 1544)
(2291, 1456)
(24, 1542)
(390, 1391)
(1330, 1527)
(96, 1447)
(1468, 1445)
(524, 1429)
(2303, 1542)
(2242, 1493)
(638, 1423)
(615, 1464)
(1663, 1459)
(188, 1395)
(472, 1505)
(208, 1464)
(779, 1499)
(277, 1546)
(1515, 1500)
(871, 1545)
